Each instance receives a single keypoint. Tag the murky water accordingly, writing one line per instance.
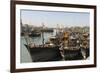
(25, 55)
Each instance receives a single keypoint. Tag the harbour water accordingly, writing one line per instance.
(38, 40)
(24, 53)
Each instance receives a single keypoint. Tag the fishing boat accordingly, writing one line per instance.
(85, 45)
(73, 53)
(44, 53)
(34, 34)
(76, 48)
(70, 47)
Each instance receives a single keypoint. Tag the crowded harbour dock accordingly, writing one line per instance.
(55, 44)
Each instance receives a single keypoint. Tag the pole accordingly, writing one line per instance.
(43, 34)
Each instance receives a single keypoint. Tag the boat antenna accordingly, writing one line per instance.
(26, 34)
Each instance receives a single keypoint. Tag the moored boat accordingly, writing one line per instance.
(73, 54)
(35, 34)
(42, 54)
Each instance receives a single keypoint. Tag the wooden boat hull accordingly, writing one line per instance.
(44, 54)
(73, 55)
(76, 54)
(35, 34)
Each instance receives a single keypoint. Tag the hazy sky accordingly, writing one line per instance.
(52, 18)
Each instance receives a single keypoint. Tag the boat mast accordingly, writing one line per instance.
(43, 34)
(61, 42)
(26, 35)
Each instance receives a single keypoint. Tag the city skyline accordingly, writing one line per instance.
(52, 18)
